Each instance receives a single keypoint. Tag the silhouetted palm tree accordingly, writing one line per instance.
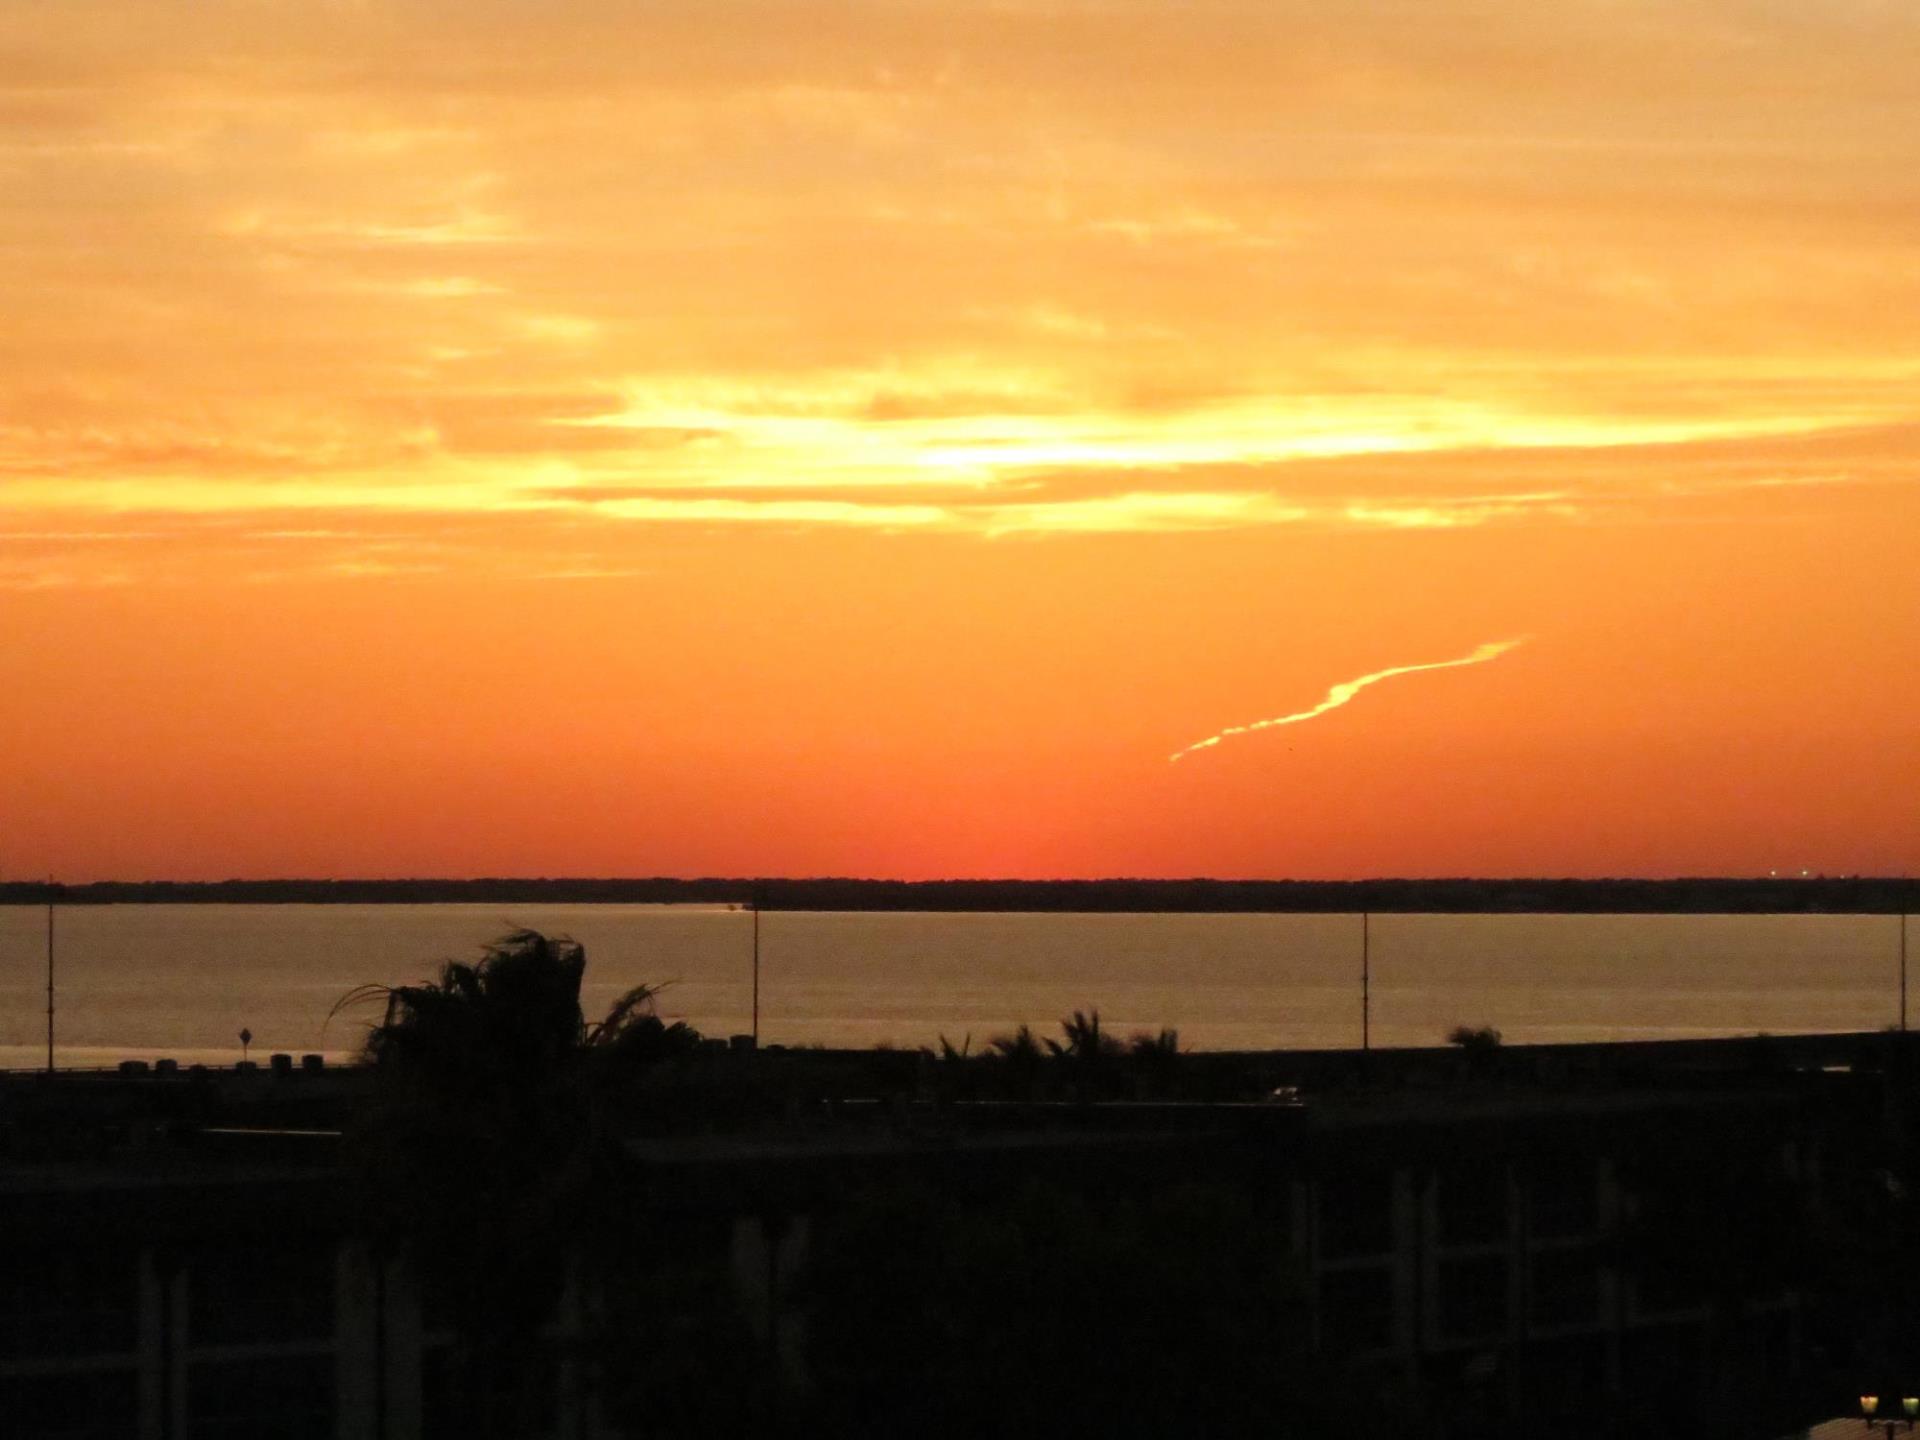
(1085, 1040)
(1154, 1059)
(1087, 1054)
(1019, 1059)
(634, 1033)
(484, 1151)
(1019, 1046)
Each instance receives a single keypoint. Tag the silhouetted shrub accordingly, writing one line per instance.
(1474, 1039)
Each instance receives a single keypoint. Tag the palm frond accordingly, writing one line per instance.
(637, 1002)
(359, 995)
(1164, 1046)
(1019, 1046)
(952, 1055)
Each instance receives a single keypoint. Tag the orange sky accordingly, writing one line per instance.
(869, 438)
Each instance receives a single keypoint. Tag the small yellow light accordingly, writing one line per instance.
(1869, 1404)
(1911, 1404)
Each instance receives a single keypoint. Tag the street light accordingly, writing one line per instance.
(1870, 1410)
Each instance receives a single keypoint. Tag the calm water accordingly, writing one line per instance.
(151, 980)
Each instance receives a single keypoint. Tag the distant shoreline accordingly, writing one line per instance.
(1815, 896)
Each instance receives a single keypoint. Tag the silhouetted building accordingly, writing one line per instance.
(1496, 1257)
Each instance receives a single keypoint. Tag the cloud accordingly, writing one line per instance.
(956, 269)
(1346, 691)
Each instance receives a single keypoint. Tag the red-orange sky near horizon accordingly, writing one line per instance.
(869, 438)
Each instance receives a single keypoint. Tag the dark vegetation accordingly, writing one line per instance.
(1074, 1301)
(1818, 895)
(1086, 1063)
(1474, 1039)
(1112, 1292)
(487, 1151)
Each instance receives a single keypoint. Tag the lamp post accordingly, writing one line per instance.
(1366, 981)
(1903, 972)
(1888, 1424)
(49, 975)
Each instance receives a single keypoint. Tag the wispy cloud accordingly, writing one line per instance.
(1344, 692)
(257, 260)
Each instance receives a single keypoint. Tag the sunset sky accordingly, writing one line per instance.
(730, 436)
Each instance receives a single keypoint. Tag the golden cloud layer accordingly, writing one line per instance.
(1033, 267)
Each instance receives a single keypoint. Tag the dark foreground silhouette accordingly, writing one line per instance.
(514, 1221)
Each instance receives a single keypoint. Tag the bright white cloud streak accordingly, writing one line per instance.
(1345, 691)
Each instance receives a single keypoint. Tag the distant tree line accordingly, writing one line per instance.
(1706, 895)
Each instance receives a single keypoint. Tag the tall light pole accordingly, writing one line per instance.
(1366, 982)
(756, 967)
(1903, 972)
(49, 975)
